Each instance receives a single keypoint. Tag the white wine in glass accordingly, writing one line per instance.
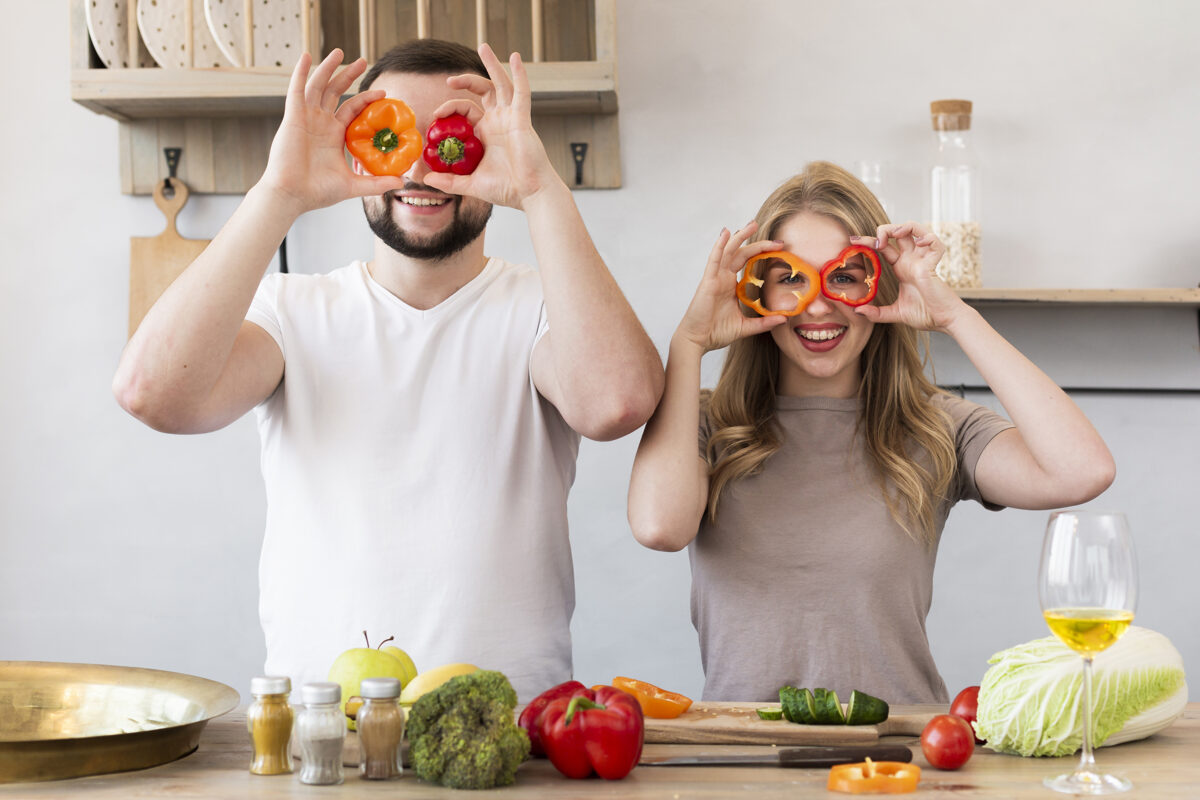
(1087, 584)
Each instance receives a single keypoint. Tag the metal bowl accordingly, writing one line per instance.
(68, 720)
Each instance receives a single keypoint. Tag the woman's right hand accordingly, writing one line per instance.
(715, 319)
(307, 166)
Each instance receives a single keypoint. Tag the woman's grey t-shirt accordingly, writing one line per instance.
(806, 580)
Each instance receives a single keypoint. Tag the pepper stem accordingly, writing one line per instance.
(580, 702)
(451, 150)
(385, 140)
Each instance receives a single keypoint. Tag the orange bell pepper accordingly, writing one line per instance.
(874, 777)
(384, 137)
(798, 266)
(656, 703)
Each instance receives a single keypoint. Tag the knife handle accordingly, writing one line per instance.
(828, 756)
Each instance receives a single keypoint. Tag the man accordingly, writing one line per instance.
(420, 413)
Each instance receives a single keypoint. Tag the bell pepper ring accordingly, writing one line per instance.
(384, 137)
(452, 146)
(595, 732)
(802, 298)
(656, 703)
(531, 715)
(874, 777)
(817, 281)
(871, 282)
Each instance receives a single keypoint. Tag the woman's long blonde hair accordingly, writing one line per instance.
(897, 420)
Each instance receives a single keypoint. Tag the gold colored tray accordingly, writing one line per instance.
(68, 720)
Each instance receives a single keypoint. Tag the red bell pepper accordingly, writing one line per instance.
(599, 735)
(452, 146)
(530, 717)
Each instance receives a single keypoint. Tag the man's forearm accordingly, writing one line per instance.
(178, 352)
(607, 367)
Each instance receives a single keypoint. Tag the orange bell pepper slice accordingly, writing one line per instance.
(874, 777)
(384, 137)
(656, 703)
(797, 265)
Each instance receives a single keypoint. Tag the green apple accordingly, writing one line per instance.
(410, 669)
(357, 663)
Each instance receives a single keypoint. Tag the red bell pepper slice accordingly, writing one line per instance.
(531, 716)
(452, 146)
(599, 735)
(871, 281)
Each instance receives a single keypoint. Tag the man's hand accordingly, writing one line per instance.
(307, 166)
(515, 166)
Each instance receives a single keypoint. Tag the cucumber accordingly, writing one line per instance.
(790, 699)
(827, 708)
(797, 705)
(863, 709)
(770, 713)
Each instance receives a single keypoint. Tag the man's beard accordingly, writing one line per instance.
(464, 228)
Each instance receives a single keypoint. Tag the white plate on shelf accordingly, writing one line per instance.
(107, 21)
(276, 30)
(163, 26)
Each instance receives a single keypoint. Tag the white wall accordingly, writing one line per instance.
(121, 545)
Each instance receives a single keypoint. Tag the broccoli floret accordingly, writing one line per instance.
(463, 734)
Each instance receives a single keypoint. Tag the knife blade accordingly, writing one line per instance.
(788, 757)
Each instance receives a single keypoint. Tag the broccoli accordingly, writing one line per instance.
(464, 735)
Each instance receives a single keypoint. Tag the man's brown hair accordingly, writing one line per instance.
(425, 57)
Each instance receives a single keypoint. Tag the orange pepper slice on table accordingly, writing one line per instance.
(656, 703)
(874, 777)
(384, 137)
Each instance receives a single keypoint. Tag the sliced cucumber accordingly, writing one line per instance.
(770, 713)
(791, 700)
(827, 708)
(808, 712)
(863, 709)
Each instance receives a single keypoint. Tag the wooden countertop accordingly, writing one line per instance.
(1163, 766)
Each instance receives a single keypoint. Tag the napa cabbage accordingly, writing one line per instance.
(1029, 697)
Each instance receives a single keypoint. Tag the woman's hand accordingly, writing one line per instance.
(715, 319)
(925, 302)
(307, 166)
(515, 166)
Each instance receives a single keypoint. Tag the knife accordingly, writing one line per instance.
(788, 757)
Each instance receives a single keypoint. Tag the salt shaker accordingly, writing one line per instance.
(380, 729)
(321, 734)
(952, 196)
(269, 720)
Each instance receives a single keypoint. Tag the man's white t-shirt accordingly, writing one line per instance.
(416, 481)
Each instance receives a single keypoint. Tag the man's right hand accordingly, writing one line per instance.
(307, 167)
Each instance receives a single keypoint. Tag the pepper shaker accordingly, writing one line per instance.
(380, 724)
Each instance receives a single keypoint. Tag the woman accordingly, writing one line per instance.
(828, 462)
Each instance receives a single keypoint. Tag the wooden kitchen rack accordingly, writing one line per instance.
(225, 117)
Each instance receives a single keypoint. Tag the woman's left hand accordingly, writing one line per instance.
(924, 302)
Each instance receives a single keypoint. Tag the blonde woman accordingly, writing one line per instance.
(828, 462)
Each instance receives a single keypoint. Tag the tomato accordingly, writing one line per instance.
(947, 741)
(966, 705)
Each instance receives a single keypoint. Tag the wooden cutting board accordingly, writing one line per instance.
(156, 261)
(738, 723)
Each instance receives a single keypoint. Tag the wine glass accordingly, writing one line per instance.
(1087, 584)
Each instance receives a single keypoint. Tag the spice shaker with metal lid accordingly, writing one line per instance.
(269, 720)
(380, 724)
(952, 194)
(321, 734)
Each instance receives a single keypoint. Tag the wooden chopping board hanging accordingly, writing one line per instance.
(738, 723)
(156, 261)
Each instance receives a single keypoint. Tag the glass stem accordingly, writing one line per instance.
(1086, 762)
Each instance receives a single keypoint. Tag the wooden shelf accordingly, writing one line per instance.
(223, 119)
(559, 87)
(1099, 297)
